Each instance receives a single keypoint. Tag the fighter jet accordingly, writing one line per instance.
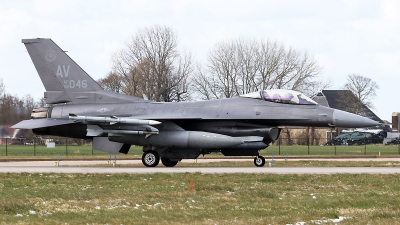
(77, 107)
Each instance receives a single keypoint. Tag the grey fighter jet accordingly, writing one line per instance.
(171, 131)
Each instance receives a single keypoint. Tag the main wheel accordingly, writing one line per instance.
(259, 161)
(167, 162)
(150, 158)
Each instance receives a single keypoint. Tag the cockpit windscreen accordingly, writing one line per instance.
(282, 96)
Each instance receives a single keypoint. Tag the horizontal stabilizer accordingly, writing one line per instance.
(39, 123)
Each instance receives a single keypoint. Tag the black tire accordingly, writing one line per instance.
(150, 158)
(167, 162)
(259, 161)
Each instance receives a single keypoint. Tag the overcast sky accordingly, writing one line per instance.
(345, 37)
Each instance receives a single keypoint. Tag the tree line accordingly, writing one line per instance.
(13, 108)
(12, 100)
(151, 64)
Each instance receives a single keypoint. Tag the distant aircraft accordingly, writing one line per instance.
(171, 131)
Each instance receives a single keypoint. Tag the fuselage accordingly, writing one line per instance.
(223, 116)
(232, 109)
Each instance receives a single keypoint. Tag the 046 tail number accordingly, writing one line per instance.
(75, 83)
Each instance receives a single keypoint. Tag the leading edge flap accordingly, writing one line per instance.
(39, 123)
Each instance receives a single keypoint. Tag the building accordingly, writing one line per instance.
(12, 136)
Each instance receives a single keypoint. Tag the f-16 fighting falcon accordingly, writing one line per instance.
(77, 107)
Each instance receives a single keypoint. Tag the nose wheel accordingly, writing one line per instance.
(150, 158)
(259, 161)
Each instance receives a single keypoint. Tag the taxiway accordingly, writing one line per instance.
(90, 167)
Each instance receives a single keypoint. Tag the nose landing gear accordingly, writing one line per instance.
(259, 161)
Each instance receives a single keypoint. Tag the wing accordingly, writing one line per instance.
(39, 123)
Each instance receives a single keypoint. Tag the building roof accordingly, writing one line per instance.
(7, 132)
(3, 132)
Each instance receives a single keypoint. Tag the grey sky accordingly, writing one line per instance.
(345, 37)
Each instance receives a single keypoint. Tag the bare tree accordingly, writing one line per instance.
(112, 82)
(12, 108)
(317, 86)
(151, 64)
(247, 66)
(243, 66)
(222, 64)
(41, 102)
(2, 92)
(2, 88)
(207, 87)
(268, 60)
(29, 102)
(179, 81)
(12, 100)
(363, 88)
(9, 100)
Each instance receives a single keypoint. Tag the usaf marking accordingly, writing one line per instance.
(60, 72)
(63, 71)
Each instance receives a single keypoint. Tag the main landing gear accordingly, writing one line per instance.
(167, 162)
(151, 158)
(259, 161)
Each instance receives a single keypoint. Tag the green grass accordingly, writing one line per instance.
(293, 150)
(215, 199)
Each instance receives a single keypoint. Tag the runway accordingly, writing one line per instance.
(85, 167)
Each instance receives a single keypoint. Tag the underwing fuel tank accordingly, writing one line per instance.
(234, 129)
(184, 139)
(269, 134)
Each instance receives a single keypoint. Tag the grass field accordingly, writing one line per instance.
(215, 199)
(293, 150)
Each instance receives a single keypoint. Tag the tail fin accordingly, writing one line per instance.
(64, 80)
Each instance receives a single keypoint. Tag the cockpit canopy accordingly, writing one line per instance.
(281, 96)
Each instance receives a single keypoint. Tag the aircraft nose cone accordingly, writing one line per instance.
(350, 120)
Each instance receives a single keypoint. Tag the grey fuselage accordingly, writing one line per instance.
(203, 115)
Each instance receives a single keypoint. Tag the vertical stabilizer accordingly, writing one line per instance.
(64, 80)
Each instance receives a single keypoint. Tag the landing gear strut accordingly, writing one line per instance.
(150, 158)
(167, 162)
(259, 161)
